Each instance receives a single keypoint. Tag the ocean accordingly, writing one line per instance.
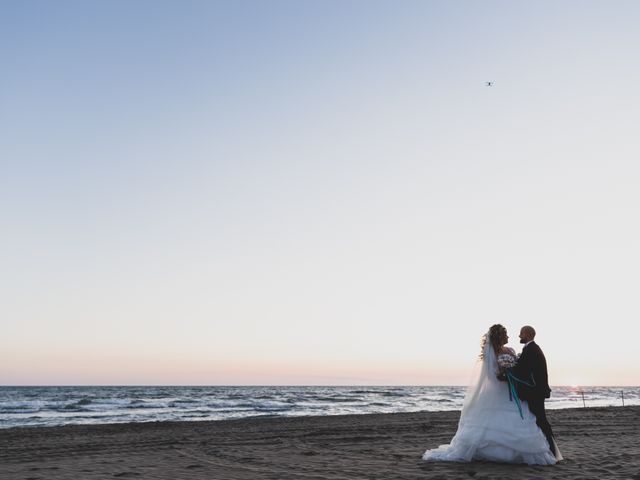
(50, 406)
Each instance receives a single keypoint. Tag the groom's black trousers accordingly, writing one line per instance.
(536, 405)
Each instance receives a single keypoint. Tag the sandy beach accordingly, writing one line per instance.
(597, 443)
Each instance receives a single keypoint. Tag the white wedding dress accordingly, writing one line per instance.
(490, 426)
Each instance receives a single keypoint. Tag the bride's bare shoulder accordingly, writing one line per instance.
(508, 350)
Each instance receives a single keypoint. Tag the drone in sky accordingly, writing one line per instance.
(489, 84)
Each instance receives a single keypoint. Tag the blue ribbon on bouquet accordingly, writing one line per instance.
(513, 394)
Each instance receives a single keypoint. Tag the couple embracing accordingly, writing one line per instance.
(503, 417)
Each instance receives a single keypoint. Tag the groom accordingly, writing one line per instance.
(532, 368)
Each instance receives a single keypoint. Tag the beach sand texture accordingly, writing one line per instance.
(597, 443)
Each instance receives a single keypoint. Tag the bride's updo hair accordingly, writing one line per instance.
(497, 336)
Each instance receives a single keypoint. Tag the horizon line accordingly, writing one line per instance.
(285, 385)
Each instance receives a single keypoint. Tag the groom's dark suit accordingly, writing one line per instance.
(532, 368)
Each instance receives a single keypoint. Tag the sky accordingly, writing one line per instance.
(316, 193)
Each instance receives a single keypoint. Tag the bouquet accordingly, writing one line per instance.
(505, 361)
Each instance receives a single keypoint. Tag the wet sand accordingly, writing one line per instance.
(597, 443)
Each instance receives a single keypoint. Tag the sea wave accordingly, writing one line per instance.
(39, 406)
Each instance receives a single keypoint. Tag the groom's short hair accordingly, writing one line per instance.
(529, 330)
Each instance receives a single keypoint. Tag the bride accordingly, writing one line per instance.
(492, 426)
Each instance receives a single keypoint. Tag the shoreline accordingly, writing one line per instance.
(597, 442)
(253, 418)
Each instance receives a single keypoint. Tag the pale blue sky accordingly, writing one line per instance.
(316, 192)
